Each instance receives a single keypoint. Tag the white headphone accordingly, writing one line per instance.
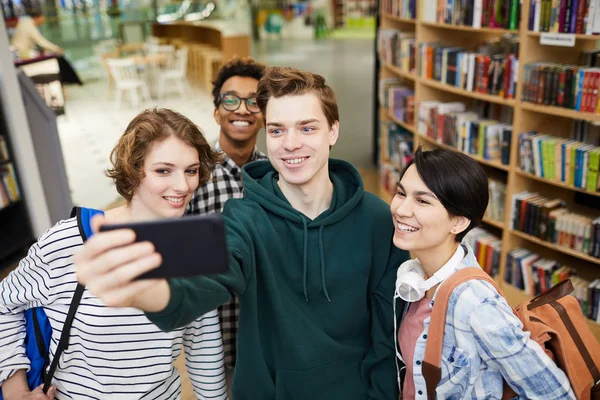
(410, 278)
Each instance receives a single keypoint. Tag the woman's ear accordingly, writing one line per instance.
(459, 224)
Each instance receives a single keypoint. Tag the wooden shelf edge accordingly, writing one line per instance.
(398, 19)
(462, 92)
(559, 111)
(493, 222)
(560, 249)
(554, 183)
(474, 157)
(578, 36)
(403, 124)
(400, 72)
(516, 296)
(465, 28)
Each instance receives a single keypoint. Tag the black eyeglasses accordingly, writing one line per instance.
(231, 102)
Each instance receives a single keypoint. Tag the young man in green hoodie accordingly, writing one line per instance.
(311, 260)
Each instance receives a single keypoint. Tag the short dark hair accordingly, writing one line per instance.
(457, 180)
(236, 67)
(286, 81)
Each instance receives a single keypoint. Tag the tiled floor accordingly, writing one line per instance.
(92, 125)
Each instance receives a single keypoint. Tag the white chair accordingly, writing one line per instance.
(177, 74)
(125, 74)
(166, 50)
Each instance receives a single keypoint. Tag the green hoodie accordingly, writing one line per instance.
(316, 318)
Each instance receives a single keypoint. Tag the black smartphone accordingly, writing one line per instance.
(189, 246)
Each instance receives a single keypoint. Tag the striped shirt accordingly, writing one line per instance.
(113, 353)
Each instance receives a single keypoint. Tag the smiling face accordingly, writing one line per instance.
(299, 138)
(423, 225)
(240, 126)
(170, 178)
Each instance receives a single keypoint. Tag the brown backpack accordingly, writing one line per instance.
(555, 322)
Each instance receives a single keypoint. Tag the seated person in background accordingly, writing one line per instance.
(27, 36)
(117, 353)
(442, 195)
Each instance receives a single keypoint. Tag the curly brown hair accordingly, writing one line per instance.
(285, 81)
(152, 125)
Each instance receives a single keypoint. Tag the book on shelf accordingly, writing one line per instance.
(565, 16)
(486, 247)
(401, 103)
(550, 220)
(9, 186)
(569, 161)
(504, 14)
(497, 199)
(3, 149)
(389, 175)
(560, 85)
(468, 131)
(492, 69)
(400, 8)
(397, 48)
(384, 85)
(400, 143)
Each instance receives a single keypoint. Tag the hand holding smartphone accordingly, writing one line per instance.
(189, 246)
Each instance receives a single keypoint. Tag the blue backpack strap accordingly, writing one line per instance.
(84, 222)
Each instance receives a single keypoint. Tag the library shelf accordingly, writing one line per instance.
(493, 164)
(555, 183)
(403, 124)
(578, 36)
(561, 249)
(516, 296)
(560, 112)
(398, 19)
(463, 92)
(493, 222)
(464, 28)
(400, 72)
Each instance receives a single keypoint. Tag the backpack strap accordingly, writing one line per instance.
(430, 368)
(84, 219)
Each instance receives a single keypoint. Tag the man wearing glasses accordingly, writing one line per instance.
(240, 119)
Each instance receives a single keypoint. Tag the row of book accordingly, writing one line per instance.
(492, 73)
(534, 275)
(565, 16)
(397, 48)
(389, 175)
(400, 8)
(474, 13)
(487, 248)
(3, 149)
(497, 200)
(401, 103)
(9, 187)
(568, 161)
(467, 131)
(560, 85)
(400, 143)
(550, 220)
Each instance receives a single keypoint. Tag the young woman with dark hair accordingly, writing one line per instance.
(442, 195)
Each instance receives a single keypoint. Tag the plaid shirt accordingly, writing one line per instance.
(224, 184)
(483, 343)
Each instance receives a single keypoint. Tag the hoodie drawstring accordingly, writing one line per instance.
(305, 271)
(323, 283)
(305, 263)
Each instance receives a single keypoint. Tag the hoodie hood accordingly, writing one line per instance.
(260, 185)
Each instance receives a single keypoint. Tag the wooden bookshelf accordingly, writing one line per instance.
(578, 36)
(555, 183)
(526, 117)
(391, 17)
(480, 160)
(401, 72)
(474, 95)
(464, 28)
(559, 111)
(403, 124)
